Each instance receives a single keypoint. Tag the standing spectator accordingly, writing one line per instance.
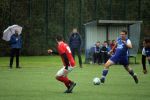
(96, 54)
(75, 43)
(144, 58)
(16, 44)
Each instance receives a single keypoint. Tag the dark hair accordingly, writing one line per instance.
(113, 40)
(124, 31)
(147, 40)
(105, 42)
(59, 38)
(98, 42)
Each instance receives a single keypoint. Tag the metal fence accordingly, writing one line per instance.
(42, 19)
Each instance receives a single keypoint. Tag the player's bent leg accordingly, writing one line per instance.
(131, 72)
(108, 64)
(144, 64)
(62, 76)
(105, 70)
(72, 84)
(148, 60)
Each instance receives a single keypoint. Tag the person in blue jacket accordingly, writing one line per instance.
(16, 45)
(96, 52)
(75, 43)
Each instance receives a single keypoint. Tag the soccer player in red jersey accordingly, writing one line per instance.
(68, 64)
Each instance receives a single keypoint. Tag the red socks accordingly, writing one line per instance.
(65, 80)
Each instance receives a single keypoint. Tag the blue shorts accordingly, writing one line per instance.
(147, 52)
(123, 60)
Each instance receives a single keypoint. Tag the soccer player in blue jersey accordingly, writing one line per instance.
(145, 54)
(147, 49)
(121, 56)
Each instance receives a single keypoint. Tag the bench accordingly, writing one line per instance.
(132, 56)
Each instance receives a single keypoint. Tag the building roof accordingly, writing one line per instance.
(113, 22)
(118, 22)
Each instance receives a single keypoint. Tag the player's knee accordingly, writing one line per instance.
(106, 65)
(128, 68)
(57, 77)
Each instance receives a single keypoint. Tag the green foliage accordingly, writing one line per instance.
(42, 19)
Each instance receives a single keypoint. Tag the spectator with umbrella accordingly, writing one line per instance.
(12, 34)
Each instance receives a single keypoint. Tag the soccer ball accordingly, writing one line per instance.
(96, 81)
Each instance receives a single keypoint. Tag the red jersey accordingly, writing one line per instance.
(64, 48)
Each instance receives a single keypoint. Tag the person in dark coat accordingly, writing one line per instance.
(75, 43)
(96, 54)
(16, 45)
(104, 52)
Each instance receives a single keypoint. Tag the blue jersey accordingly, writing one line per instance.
(121, 49)
(121, 53)
(147, 52)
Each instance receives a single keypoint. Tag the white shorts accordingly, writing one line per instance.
(62, 71)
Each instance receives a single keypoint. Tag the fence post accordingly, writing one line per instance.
(29, 9)
(10, 11)
(95, 9)
(139, 9)
(64, 35)
(46, 20)
(109, 9)
(125, 6)
(80, 21)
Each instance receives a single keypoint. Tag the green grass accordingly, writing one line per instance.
(36, 81)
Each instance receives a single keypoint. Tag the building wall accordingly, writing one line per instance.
(90, 35)
(113, 31)
(99, 33)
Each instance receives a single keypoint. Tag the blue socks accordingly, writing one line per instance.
(131, 73)
(105, 71)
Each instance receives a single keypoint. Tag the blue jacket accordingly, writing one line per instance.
(16, 41)
(75, 40)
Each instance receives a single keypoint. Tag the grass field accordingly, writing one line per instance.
(35, 81)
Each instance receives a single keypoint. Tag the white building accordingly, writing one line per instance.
(103, 30)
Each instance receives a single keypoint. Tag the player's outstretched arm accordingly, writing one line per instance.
(112, 50)
(50, 51)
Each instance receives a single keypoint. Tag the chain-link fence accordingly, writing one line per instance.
(42, 19)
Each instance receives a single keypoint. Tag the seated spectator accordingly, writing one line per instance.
(96, 53)
(104, 52)
(112, 45)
